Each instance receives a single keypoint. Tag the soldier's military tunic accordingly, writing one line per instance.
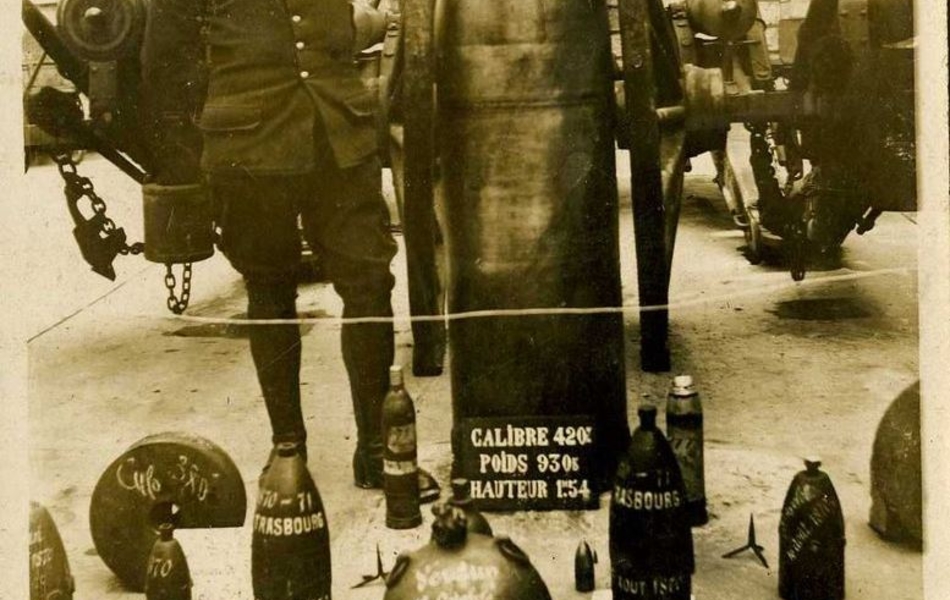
(287, 128)
(284, 97)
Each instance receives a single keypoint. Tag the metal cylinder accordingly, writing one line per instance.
(400, 469)
(527, 161)
(101, 30)
(178, 223)
(684, 428)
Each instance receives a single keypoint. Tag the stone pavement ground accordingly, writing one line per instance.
(785, 370)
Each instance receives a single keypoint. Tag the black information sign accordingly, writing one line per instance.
(529, 463)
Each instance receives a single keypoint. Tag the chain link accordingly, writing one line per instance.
(175, 304)
(78, 186)
(794, 233)
(763, 161)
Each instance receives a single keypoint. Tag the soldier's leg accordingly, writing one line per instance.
(350, 224)
(260, 238)
(368, 350)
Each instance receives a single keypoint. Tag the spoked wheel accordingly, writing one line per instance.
(420, 226)
(753, 236)
(653, 103)
(796, 252)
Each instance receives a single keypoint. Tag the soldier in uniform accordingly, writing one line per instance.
(287, 129)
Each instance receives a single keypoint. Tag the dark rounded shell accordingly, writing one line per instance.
(50, 577)
(480, 567)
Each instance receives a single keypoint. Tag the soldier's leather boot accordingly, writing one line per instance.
(368, 351)
(368, 467)
(428, 487)
(368, 474)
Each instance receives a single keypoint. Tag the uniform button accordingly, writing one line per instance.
(295, 18)
(299, 45)
(304, 74)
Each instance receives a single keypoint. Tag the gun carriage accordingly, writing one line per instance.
(810, 121)
(810, 124)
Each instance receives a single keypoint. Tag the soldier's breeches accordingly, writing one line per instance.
(345, 219)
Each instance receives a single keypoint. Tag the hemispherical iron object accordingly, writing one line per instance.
(890, 21)
(165, 478)
(50, 578)
(725, 19)
(460, 564)
(896, 495)
(101, 30)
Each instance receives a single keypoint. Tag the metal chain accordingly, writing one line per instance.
(791, 176)
(797, 231)
(763, 161)
(794, 233)
(175, 304)
(78, 187)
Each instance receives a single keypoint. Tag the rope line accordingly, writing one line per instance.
(546, 311)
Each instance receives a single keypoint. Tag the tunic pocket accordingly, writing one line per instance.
(223, 118)
(235, 136)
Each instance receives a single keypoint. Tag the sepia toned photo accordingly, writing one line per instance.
(478, 299)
